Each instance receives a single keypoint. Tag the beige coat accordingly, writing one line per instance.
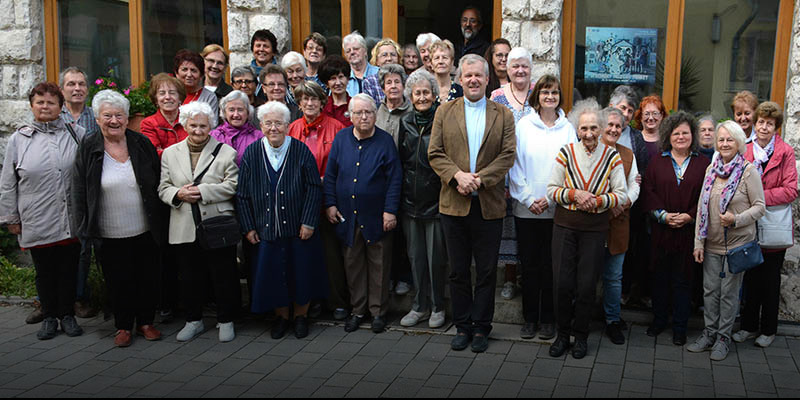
(217, 188)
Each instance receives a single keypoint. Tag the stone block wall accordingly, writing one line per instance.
(247, 16)
(535, 25)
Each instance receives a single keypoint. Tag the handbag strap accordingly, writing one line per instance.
(195, 207)
(72, 132)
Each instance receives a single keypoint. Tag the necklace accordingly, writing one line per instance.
(511, 87)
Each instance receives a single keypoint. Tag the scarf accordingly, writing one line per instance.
(733, 172)
(761, 155)
(425, 117)
(307, 127)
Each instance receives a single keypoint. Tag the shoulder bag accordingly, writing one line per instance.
(775, 228)
(215, 232)
(744, 257)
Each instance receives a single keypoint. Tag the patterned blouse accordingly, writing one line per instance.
(499, 96)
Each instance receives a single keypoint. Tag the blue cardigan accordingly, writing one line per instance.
(363, 180)
(297, 199)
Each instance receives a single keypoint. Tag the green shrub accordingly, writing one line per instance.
(15, 281)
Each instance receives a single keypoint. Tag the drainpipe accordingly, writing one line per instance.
(738, 36)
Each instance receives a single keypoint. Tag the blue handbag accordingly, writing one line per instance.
(744, 257)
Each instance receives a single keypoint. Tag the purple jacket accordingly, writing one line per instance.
(238, 138)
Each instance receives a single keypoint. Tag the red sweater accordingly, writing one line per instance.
(161, 133)
(780, 175)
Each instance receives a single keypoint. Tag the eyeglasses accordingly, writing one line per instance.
(362, 113)
(546, 93)
(274, 84)
(240, 82)
(215, 62)
(272, 124)
(654, 114)
(311, 47)
(469, 20)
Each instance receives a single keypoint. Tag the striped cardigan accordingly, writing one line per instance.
(297, 200)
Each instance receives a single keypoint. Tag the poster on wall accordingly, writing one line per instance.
(621, 55)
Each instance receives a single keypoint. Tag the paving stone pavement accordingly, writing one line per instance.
(331, 363)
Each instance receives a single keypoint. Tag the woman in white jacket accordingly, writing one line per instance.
(540, 135)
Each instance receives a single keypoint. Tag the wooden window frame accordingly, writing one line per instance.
(301, 17)
(674, 47)
(138, 75)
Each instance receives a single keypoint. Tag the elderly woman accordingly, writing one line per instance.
(705, 135)
(731, 202)
(540, 135)
(276, 86)
(619, 227)
(355, 51)
(387, 51)
(294, 66)
(424, 42)
(648, 118)
(419, 204)
(315, 47)
(244, 78)
(411, 58)
(34, 194)
(236, 131)
(497, 55)
(189, 68)
(743, 106)
(279, 199)
(514, 94)
(216, 61)
(580, 223)
(775, 162)
(670, 189)
(198, 177)
(115, 198)
(164, 127)
(395, 105)
(334, 71)
(442, 63)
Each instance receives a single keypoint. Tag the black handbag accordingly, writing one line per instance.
(215, 232)
(744, 257)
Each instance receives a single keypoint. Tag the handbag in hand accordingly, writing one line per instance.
(744, 257)
(215, 232)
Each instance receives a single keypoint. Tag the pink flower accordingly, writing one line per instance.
(98, 82)
(126, 91)
(112, 84)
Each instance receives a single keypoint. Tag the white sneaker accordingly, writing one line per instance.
(413, 317)
(703, 343)
(437, 320)
(720, 349)
(402, 288)
(508, 291)
(743, 336)
(226, 333)
(765, 340)
(190, 331)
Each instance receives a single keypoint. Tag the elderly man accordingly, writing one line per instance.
(362, 186)
(387, 51)
(625, 99)
(473, 43)
(315, 47)
(424, 42)
(355, 51)
(472, 148)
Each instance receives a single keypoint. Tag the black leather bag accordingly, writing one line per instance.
(744, 257)
(215, 232)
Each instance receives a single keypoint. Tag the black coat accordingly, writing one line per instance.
(86, 188)
(421, 185)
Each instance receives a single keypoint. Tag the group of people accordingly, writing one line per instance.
(326, 168)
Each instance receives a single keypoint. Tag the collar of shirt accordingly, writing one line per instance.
(679, 169)
(277, 155)
(478, 104)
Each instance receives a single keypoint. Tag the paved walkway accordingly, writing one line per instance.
(330, 363)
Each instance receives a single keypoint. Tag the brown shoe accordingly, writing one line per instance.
(84, 310)
(123, 338)
(149, 332)
(36, 315)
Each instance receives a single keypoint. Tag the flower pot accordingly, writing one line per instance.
(135, 122)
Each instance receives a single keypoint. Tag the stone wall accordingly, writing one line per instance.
(535, 25)
(21, 61)
(247, 16)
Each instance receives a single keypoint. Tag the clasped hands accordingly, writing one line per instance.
(585, 201)
(189, 193)
(467, 182)
(678, 220)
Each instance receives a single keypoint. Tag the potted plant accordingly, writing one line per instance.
(141, 106)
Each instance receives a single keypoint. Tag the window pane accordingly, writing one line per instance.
(728, 46)
(440, 17)
(94, 36)
(366, 17)
(326, 18)
(178, 24)
(607, 54)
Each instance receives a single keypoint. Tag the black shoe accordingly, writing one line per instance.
(528, 331)
(300, 327)
(280, 328)
(48, 330)
(340, 314)
(352, 323)
(614, 333)
(547, 332)
(678, 339)
(460, 341)
(70, 326)
(378, 324)
(315, 310)
(580, 348)
(560, 346)
(623, 325)
(480, 342)
(654, 331)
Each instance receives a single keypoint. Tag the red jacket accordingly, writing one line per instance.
(327, 130)
(161, 133)
(780, 175)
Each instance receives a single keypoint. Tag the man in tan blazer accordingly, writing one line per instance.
(472, 148)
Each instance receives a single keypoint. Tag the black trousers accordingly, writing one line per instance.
(762, 295)
(203, 268)
(468, 237)
(670, 275)
(578, 258)
(168, 284)
(132, 270)
(56, 277)
(534, 247)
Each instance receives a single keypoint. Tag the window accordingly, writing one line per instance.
(366, 18)
(326, 18)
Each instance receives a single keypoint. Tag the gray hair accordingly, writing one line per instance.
(71, 70)
(624, 93)
(243, 70)
(233, 96)
(608, 111)
(520, 53)
(470, 59)
(355, 37)
(706, 117)
(292, 58)
(420, 76)
(425, 38)
(195, 109)
(110, 98)
(363, 97)
(389, 69)
(274, 107)
(588, 106)
(736, 133)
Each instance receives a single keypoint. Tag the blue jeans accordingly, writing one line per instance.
(612, 286)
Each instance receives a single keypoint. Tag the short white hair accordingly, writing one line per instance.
(418, 77)
(293, 58)
(233, 96)
(273, 107)
(425, 38)
(587, 106)
(363, 97)
(736, 133)
(354, 37)
(195, 109)
(112, 99)
(520, 53)
(470, 59)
